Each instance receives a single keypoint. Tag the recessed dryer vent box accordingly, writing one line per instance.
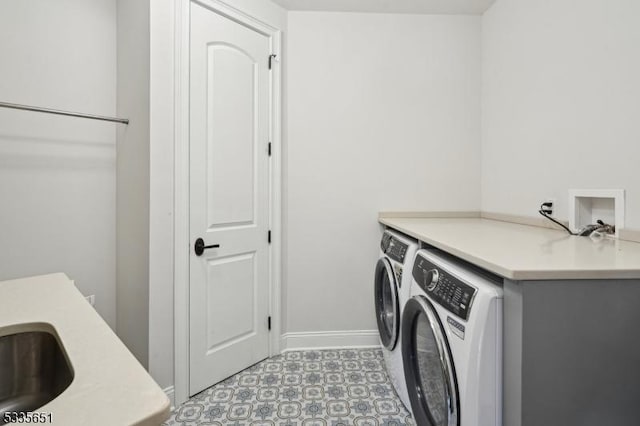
(586, 206)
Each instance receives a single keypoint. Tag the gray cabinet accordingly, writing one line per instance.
(571, 353)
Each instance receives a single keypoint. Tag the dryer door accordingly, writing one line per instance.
(387, 303)
(428, 366)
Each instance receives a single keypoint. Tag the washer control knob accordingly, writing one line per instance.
(431, 279)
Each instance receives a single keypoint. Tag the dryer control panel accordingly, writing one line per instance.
(455, 295)
(394, 248)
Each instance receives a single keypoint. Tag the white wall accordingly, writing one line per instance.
(561, 101)
(384, 114)
(161, 241)
(133, 181)
(57, 174)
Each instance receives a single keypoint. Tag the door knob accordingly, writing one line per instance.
(200, 247)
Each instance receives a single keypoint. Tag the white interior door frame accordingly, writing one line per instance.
(181, 178)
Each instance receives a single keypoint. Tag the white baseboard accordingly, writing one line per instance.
(330, 340)
(170, 391)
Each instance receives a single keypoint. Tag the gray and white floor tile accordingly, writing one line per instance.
(302, 388)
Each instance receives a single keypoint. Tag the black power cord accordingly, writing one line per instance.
(544, 211)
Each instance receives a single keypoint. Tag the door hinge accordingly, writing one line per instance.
(269, 323)
(269, 149)
(269, 236)
(271, 58)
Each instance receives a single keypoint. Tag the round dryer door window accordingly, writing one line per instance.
(428, 366)
(386, 302)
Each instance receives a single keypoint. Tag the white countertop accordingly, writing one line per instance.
(109, 387)
(522, 252)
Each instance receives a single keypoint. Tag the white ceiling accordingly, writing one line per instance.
(462, 7)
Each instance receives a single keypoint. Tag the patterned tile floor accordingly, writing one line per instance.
(307, 388)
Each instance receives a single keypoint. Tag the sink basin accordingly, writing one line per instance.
(34, 370)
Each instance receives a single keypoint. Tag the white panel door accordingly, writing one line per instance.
(229, 197)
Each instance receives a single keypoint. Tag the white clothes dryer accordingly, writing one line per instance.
(452, 342)
(392, 288)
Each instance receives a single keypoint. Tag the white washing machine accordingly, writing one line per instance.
(452, 343)
(392, 288)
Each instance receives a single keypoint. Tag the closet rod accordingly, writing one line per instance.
(67, 113)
